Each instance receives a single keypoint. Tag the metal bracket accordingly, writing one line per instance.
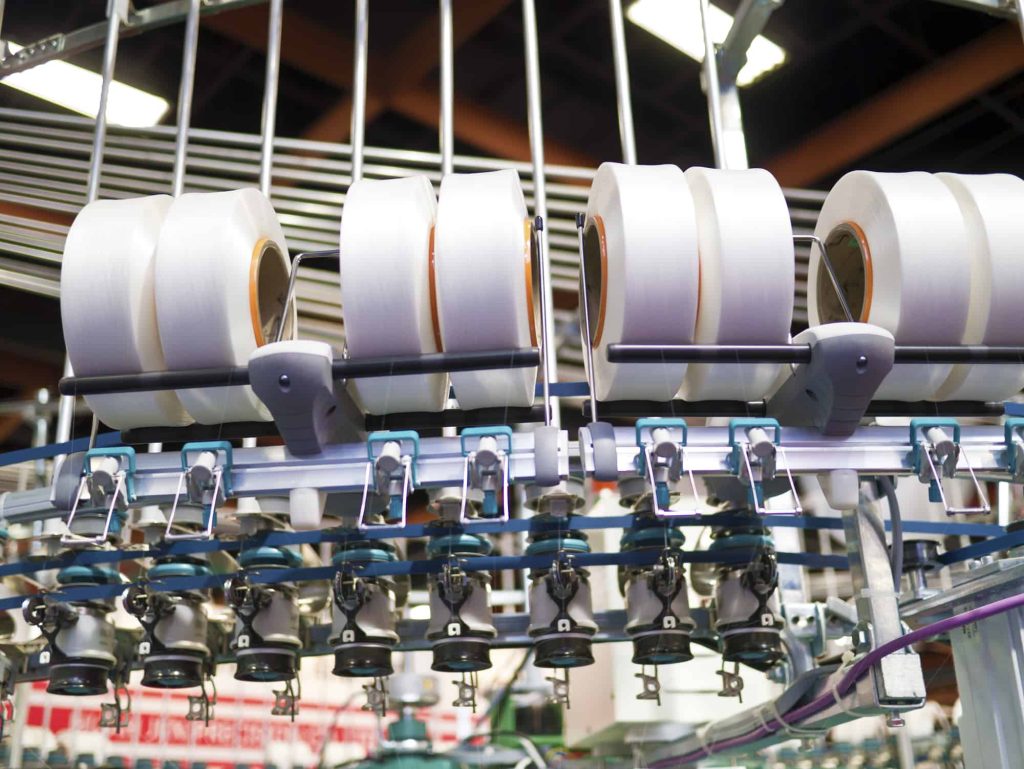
(97, 481)
(393, 471)
(486, 467)
(754, 459)
(467, 686)
(286, 701)
(376, 696)
(207, 483)
(1014, 432)
(935, 456)
(662, 460)
(114, 715)
(560, 688)
(732, 683)
(200, 706)
(651, 686)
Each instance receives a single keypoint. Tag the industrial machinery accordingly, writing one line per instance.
(253, 532)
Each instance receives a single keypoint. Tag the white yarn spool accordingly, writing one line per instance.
(484, 278)
(108, 309)
(642, 269)
(898, 244)
(992, 206)
(747, 269)
(221, 283)
(387, 229)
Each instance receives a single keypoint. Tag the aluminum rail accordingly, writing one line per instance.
(67, 44)
(798, 353)
(431, 363)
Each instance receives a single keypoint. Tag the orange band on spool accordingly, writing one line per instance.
(254, 290)
(528, 268)
(869, 282)
(432, 287)
(597, 223)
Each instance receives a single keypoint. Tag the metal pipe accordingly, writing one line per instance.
(540, 201)
(711, 86)
(188, 79)
(799, 353)
(446, 123)
(100, 134)
(273, 75)
(361, 55)
(622, 91)
(229, 376)
(1019, 5)
(1, 26)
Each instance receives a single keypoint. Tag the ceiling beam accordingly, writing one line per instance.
(956, 78)
(406, 65)
(326, 55)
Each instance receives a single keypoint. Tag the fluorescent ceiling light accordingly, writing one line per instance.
(78, 90)
(677, 22)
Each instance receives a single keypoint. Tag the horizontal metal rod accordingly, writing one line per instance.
(680, 408)
(230, 376)
(801, 353)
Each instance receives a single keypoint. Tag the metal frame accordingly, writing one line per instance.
(66, 44)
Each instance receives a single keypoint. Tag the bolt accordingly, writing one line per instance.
(894, 721)
(284, 381)
(862, 362)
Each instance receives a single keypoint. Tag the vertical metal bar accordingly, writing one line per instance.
(1019, 4)
(711, 86)
(185, 89)
(99, 138)
(359, 87)
(1, 25)
(540, 202)
(622, 91)
(269, 119)
(446, 125)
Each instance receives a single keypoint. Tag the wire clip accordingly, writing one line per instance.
(207, 483)
(936, 456)
(108, 480)
(486, 468)
(754, 459)
(661, 459)
(392, 471)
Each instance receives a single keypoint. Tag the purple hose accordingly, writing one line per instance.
(858, 669)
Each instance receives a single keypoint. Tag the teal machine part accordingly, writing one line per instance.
(748, 619)
(657, 605)
(562, 622)
(266, 639)
(80, 638)
(363, 617)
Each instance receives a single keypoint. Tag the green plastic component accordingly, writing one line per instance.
(88, 575)
(556, 544)
(464, 543)
(268, 556)
(170, 569)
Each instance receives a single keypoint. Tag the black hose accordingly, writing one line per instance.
(896, 556)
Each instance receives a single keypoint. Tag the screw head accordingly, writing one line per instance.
(284, 381)
(862, 362)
